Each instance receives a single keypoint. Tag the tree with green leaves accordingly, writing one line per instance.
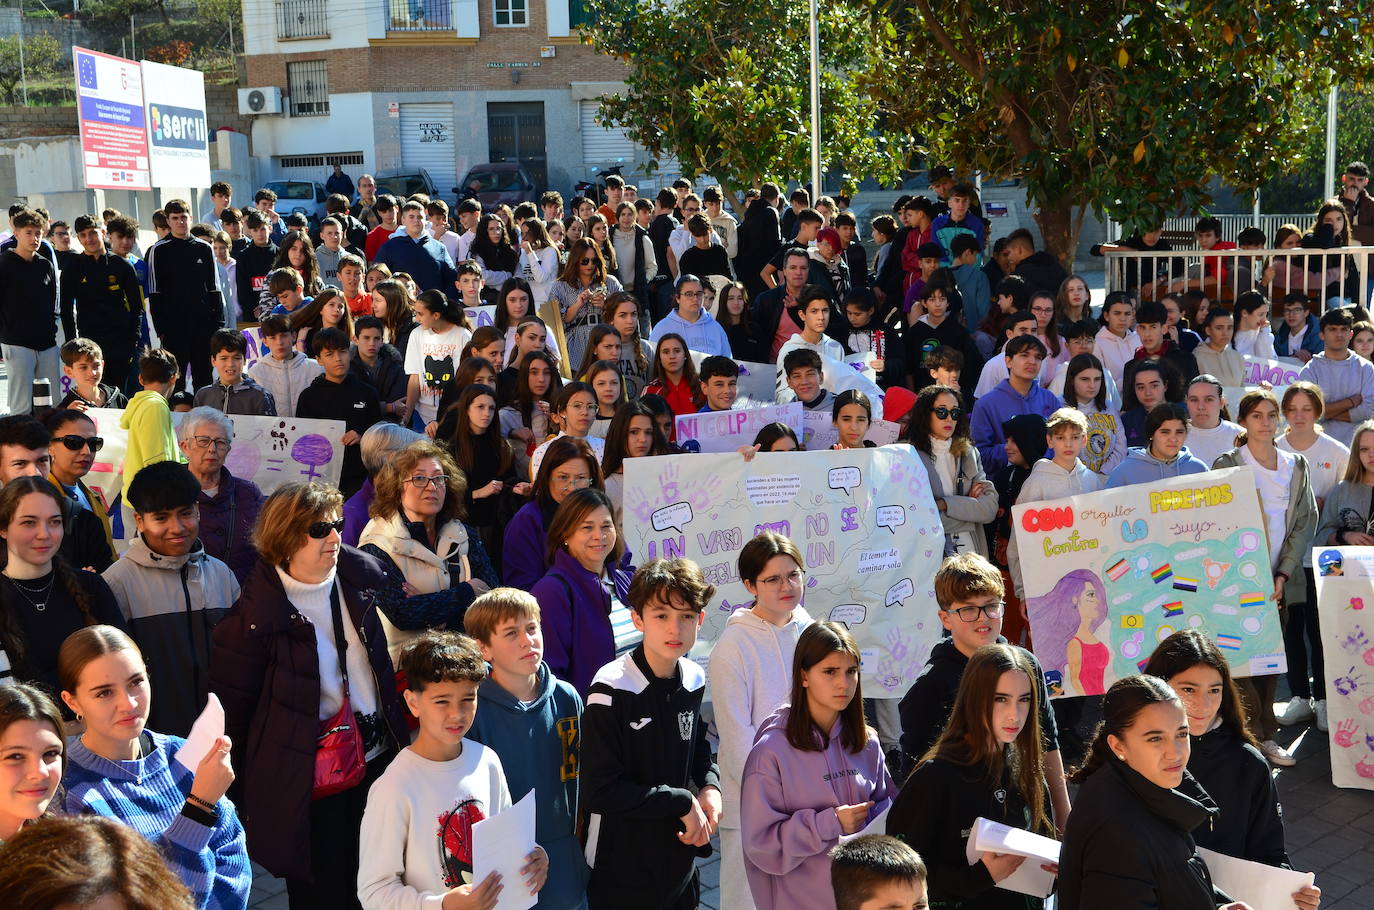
(1127, 108)
(724, 88)
(42, 57)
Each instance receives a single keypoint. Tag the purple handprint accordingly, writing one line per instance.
(896, 644)
(1355, 640)
(1347, 685)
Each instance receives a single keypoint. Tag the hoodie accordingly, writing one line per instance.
(1142, 467)
(538, 744)
(172, 603)
(751, 678)
(148, 420)
(285, 379)
(1341, 379)
(243, 397)
(996, 408)
(827, 348)
(787, 811)
(705, 335)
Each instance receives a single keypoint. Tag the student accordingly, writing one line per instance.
(573, 411)
(719, 383)
(622, 313)
(995, 369)
(1253, 335)
(1210, 432)
(1347, 381)
(525, 421)
(148, 419)
(793, 806)
(327, 310)
(474, 438)
(72, 452)
(938, 327)
(432, 354)
(1299, 334)
(647, 828)
(441, 779)
(802, 368)
(103, 290)
(1362, 340)
(532, 721)
(387, 211)
(83, 363)
(417, 253)
(851, 413)
(526, 337)
(674, 376)
(603, 343)
(358, 298)
(732, 312)
(391, 304)
(1215, 356)
(1019, 393)
(184, 300)
(1150, 324)
(969, 276)
(604, 378)
(1116, 344)
(812, 313)
(285, 372)
(958, 220)
(987, 763)
(379, 365)
(966, 500)
(171, 592)
(121, 770)
(30, 301)
(877, 872)
(232, 392)
(338, 394)
(750, 673)
(32, 739)
(1105, 446)
(1060, 474)
(1148, 383)
(330, 251)
(538, 264)
(1163, 455)
(689, 320)
(1224, 757)
(633, 434)
(864, 334)
(1290, 517)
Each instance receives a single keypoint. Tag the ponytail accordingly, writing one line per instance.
(1125, 699)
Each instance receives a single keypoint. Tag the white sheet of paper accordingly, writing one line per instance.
(1262, 887)
(500, 844)
(877, 826)
(993, 837)
(207, 728)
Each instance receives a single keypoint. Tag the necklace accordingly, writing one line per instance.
(45, 592)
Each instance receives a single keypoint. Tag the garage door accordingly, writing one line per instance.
(427, 140)
(600, 144)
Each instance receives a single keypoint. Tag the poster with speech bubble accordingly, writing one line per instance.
(1109, 575)
(1345, 605)
(819, 432)
(864, 520)
(726, 431)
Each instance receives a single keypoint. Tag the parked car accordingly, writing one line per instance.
(404, 184)
(304, 196)
(497, 183)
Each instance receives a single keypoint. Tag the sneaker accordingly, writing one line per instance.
(1298, 710)
(1321, 715)
(1277, 754)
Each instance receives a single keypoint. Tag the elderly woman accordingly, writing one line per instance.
(417, 527)
(228, 505)
(303, 653)
(378, 445)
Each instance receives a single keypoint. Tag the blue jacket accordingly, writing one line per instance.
(575, 615)
(977, 294)
(426, 260)
(944, 229)
(1142, 467)
(539, 744)
(999, 406)
(1311, 339)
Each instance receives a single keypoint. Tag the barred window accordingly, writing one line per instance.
(308, 85)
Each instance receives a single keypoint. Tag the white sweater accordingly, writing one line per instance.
(285, 379)
(417, 811)
(313, 602)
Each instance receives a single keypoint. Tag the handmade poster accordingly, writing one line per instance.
(481, 315)
(755, 379)
(864, 520)
(1345, 607)
(819, 431)
(1279, 373)
(854, 372)
(726, 431)
(256, 349)
(1109, 575)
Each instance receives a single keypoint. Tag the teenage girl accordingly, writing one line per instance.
(574, 409)
(391, 305)
(32, 756)
(1086, 390)
(633, 434)
(604, 378)
(1253, 335)
(852, 414)
(603, 343)
(622, 313)
(675, 376)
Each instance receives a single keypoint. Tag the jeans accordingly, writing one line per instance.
(23, 366)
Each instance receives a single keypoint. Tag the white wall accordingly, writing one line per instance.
(351, 24)
(350, 125)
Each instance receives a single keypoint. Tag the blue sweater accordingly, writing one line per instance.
(539, 743)
(999, 406)
(1142, 467)
(426, 260)
(147, 795)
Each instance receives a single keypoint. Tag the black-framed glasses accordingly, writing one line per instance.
(205, 442)
(970, 613)
(420, 482)
(948, 413)
(320, 529)
(76, 443)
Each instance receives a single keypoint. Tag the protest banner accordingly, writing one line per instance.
(270, 451)
(818, 431)
(726, 431)
(755, 379)
(1109, 575)
(479, 316)
(256, 349)
(1279, 373)
(864, 520)
(1345, 608)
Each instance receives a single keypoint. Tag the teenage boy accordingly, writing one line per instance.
(330, 251)
(102, 292)
(148, 421)
(436, 215)
(470, 283)
(532, 720)
(284, 372)
(688, 319)
(1345, 378)
(994, 370)
(29, 302)
(551, 203)
(1215, 271)
(417, 829)
(419, 255)
(385, 208)
(84, 365)
(928, 257)
(172, 592)
(265, 203)
(812, 313)
(958, 221)
(379, 365)
(809, 224)
(254, 263)
(1116, 344)
(877, 872)
(1081, 338)
(1299, 335)
(469, 214)
(719, 383)
(970, 595)
(231, 222)
(937, 327)
(805, 373)
(644, 744)
(1039, 269)
(233, 392)
(337, 394)
(288, 290)
(351, 283)
(945, 365)
(971, 279)
(1019, 393)
(1151, 324)
(798, 202)
(847, 226)
(222, 195)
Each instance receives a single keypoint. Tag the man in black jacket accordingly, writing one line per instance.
(1041, 270)
(759, 238)
(183, 294)
(337, 394)
(103, 292)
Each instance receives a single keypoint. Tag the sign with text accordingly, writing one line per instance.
(1345, 606)
(110, 117)
(1279, 373)
(819, 432)
(178, 134)
(726, 431)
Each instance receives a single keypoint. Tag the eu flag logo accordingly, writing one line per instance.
(85, 70)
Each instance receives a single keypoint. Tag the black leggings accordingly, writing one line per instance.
(335, 828)
(1301, 634)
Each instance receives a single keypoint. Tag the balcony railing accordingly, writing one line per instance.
(302, 19)
(419, 15)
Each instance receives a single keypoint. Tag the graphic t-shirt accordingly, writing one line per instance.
(433, 356)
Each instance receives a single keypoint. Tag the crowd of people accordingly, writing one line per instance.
(473, 554)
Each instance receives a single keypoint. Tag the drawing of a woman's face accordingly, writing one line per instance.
(1086, 601)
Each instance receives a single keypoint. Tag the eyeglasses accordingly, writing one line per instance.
(948, 413)
(320, 529)
(791, 579)
(577, 481)
(77, 443)
(690, 294)
(1042, 310)
(420, 483)
(205, 442)
(970, 613)
(690, 211)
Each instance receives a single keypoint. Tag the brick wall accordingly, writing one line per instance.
(221, 101)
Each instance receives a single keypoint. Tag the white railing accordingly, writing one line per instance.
(1225, 274)
(1232, 225)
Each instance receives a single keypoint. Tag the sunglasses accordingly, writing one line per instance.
(588, 260)
(77, 443)
(320, 529)
(948, 413)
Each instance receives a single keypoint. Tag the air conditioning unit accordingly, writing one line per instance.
(266, 100)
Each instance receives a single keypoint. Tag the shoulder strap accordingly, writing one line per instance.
(340, 640)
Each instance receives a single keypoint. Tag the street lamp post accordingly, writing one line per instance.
(814, 16)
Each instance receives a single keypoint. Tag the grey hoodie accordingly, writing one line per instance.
(285, 379)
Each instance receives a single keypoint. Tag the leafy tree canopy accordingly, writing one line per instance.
(42, 57)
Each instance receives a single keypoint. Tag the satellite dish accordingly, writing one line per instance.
(257, 100)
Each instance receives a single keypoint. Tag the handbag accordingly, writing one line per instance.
(340, 763)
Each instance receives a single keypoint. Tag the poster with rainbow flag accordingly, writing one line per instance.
(1109, 575)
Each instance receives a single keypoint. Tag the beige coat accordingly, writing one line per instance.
(425, 570)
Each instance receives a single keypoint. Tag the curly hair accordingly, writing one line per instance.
(393, 478)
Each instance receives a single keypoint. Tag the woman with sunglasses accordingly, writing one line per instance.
(228, 505)
(418, 526)
(304, 646)
(71, 454)
(939, 431)
(581, 292)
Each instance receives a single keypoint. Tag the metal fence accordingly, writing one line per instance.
(302, 19)
(419, 15)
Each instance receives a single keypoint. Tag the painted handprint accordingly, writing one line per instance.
(1346, 685)
(1345, 733)
(1355, 640)
(1367, 706)
(1369, 741)
(636, 502)
(896, 645)
(703, 496)
(1369, 657)
(1365, 768)
(667, 479)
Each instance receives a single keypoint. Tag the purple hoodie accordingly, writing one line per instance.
(787, 812)
(999, 406)
(577, 630)
(523, 553)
